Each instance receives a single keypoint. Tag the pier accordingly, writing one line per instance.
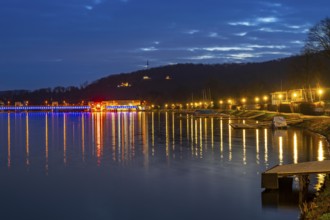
(271, 178)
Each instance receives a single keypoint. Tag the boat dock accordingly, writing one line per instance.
(270, 179)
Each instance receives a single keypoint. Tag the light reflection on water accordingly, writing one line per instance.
(118, 130)
(150, 140)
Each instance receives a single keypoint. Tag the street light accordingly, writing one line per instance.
(265, 98)
(280, 96)
(243, 100)
(320, 92)
(256, 100)
(294, 95)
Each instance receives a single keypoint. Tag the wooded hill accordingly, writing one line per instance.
(191, 81)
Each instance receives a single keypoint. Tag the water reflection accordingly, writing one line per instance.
(206, 153)
(244, 147)
(229, 140)
(200, 139)
(98, 134)
(166, 134)
(113, 136)
(320, 157)
(116, 136)
(295, 148)
(173, 131)
(320, 152)
(280, 152)
(152, 132)
(145, 139)
(83, 137)
(257, 146)
(46, 142)
(9, 142)
(221, 139)
(27, 147)
(64, 139)
(266, 146)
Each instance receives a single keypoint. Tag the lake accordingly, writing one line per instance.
(145, 165)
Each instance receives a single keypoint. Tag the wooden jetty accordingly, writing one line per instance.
(270, 179)
(250, 125)
(255, 116)
(264, 124)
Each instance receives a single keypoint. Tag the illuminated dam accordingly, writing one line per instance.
(68, 108)
(111, 105)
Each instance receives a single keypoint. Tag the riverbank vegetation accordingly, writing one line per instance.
(319, 208)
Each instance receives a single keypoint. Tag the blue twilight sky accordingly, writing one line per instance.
(45, 43)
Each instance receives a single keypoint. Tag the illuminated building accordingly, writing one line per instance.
(146, 78)
(124, 84)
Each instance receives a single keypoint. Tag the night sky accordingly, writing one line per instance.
(48, 43)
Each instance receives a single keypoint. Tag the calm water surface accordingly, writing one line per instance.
(145, 166)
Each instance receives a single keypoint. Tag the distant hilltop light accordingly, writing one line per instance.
(146, 78)
(168, 77)
(124, 84)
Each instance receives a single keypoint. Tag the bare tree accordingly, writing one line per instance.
(318, 39)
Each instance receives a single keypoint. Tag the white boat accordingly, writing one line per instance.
(279, 122)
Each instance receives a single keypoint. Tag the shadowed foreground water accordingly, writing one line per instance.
(145, 166)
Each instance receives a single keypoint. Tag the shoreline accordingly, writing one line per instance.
(319, 207)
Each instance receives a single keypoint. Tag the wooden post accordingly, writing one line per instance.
(269, 181)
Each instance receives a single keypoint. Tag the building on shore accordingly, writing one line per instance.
(306, 101)
(117, 105)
